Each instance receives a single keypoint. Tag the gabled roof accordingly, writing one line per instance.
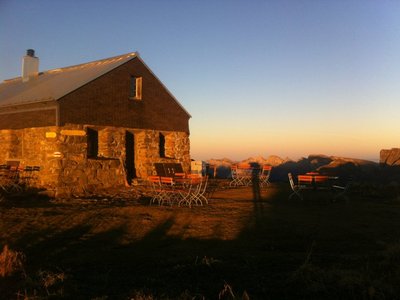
(53, 84)
(56, 83)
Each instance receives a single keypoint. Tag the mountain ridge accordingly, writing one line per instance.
(275, 160)
(335, 165)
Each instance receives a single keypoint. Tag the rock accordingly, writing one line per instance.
(390, 157)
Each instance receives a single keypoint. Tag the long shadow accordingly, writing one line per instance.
(286, 250)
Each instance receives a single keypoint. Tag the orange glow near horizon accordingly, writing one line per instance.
(292, 146)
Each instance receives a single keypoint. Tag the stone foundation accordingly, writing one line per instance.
(61, 153)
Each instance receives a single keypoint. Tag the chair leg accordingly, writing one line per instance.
(297, 194)
(341, 193)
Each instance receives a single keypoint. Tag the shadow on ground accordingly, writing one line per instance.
(283, 250)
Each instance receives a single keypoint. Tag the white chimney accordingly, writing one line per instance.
(30, 65)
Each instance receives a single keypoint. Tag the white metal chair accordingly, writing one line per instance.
(296, 188)
(234, 175)
(245, 172)
(200, 194)
(241, 175)
(169, 193)
(264, 175)
(156, 191)
(186, 192)
(9, 179)
(340, 191)
(191, 194)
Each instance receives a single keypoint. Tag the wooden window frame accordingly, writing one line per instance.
(135, 88)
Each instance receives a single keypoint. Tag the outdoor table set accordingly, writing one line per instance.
(246, 175)
(314, 181)
(181, 189)
(14, 178)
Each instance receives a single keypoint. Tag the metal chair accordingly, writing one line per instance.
(234, 174)
(9, 179)
(169, 194)
(296, 188)
(155, 189)
(341, 191)
(264, 175)
(200, 194)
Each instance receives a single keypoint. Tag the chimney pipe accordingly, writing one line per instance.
(30, 65)
(30, 52)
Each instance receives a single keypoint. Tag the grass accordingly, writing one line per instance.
(10, 261)
(234, 248)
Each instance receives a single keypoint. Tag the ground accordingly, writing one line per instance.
(271, 248)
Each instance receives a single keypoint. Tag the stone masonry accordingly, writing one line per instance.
(61, 153)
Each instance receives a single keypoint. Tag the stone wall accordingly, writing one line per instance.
(390, 157)
(31, 148)
(177, 149)
(61, 152)
(11, 143)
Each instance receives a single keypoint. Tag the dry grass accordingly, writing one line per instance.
(11, 261)
(52, 282)
(234, 248)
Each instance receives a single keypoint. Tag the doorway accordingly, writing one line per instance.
(130, 156)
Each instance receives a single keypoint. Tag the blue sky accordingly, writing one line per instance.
(290, 78)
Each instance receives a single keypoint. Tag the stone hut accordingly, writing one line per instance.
(90, 126)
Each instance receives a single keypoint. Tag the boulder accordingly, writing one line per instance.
(390, 157)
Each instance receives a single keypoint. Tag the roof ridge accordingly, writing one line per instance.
(109, 59)
(56, 70)
(57, 83)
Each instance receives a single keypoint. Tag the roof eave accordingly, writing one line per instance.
(27, 103)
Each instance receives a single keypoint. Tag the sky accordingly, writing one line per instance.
(259, 78)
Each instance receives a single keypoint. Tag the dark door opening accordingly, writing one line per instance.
(130, 156)
(92, 143)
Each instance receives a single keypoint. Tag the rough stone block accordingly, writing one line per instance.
(390, 157)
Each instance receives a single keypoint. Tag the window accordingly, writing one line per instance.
(92, 143)
(135, 91)
(161, 145)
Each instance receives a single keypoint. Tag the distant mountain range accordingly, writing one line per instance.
(339, 166)
(314, 159)
(272, 160)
